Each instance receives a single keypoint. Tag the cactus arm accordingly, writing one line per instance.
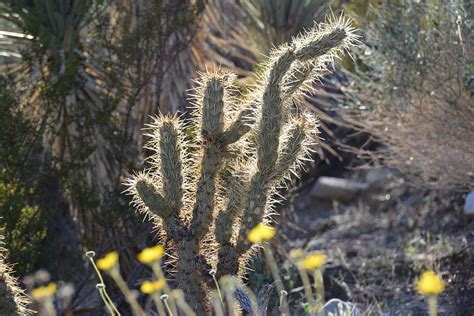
(225, 222)
(321, 45)
(313, 49)
(290, 153)
(171, 166)
(300, 75)
(212, 126)
(157, 204)
(268, 135)
(152, 198)
(226, 217)
(213, 107)
(239, 127)
(268, 139)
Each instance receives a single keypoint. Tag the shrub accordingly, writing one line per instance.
(412, 89)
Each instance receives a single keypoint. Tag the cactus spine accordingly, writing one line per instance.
(215, 178)
(13, 301)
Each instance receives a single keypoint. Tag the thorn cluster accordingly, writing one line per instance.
(13, 300)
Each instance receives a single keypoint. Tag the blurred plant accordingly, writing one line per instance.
(110, 264)
(104, 295)
(22, 219)
(44, 295)
(49, 298)
(262, 233)
(314, 263)
(13, 301)
(155, 288)
(431, 284)
(214, 179)
(410, 89)
(151, 256)
(88, 75)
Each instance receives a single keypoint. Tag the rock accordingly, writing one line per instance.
(469, 205)
(337, 307)
(337, 189)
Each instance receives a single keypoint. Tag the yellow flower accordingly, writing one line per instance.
(150, 255)
(430, 284)
(149, 287)
(313, 261)
(108, 262)
(261, 232)
(43, 292)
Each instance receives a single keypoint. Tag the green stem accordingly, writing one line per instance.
(111, 303)
(159, 305)
(319, 285)
(101, 279)
(307, 290)
(104, 299)
(49, 307)
(160, 275)
(129, 296)
(229, 296)
(182, 304)
(279, 284)
(213, 274)
(165, 297)
(217, 305)
(432, 305)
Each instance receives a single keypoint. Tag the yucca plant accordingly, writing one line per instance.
(214, 178)
(59, 92)
(81, 78)
(243, 33)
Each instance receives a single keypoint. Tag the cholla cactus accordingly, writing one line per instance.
(211, 180)
(13, 301)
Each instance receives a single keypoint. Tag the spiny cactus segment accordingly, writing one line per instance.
(13, 300)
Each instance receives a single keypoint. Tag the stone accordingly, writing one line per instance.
(337, 189)
(469, 205)
(336, 307)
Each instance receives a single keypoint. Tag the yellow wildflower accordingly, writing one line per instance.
(430, 283)
(150, 255)
(261, 232)
(108, 262)
(313, 261)
(43, 292)
(149, 287)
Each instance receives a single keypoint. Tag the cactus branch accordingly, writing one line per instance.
(239, 127)
(292, 151)
(158, 205)
(171, 166)
(211, 130)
